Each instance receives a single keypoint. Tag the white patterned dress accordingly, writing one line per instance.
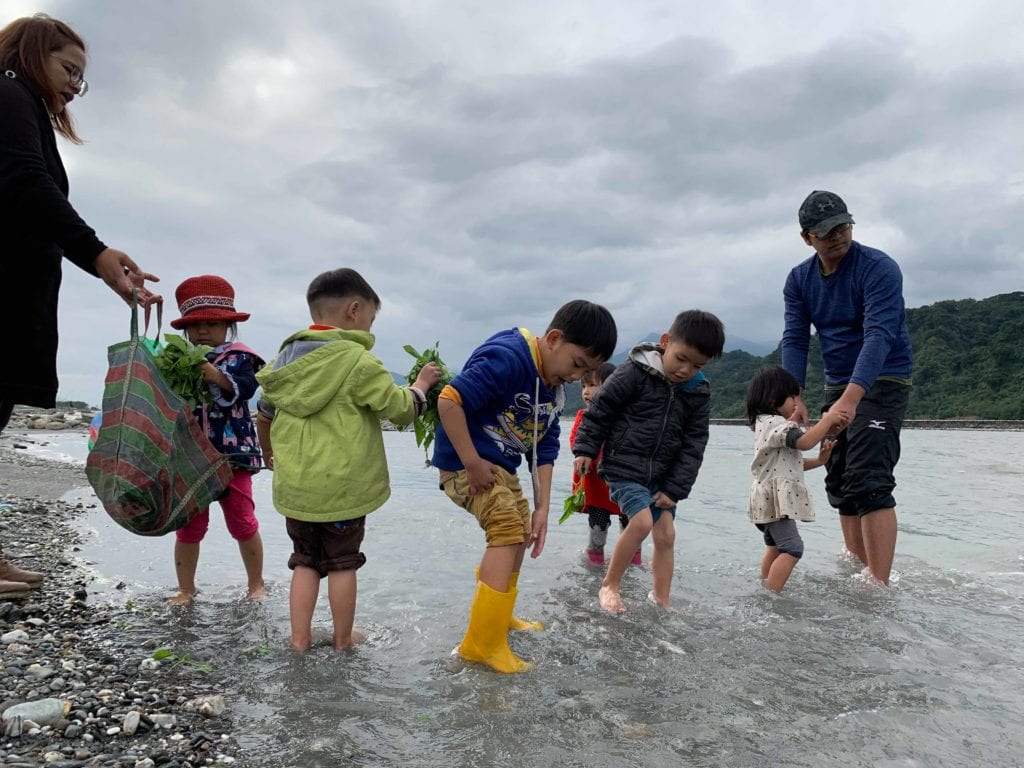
(778, 490)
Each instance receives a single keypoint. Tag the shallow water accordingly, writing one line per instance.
(833, 672)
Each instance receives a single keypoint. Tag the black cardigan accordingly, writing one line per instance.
(37, 227)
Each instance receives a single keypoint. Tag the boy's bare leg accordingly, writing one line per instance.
(301, 604)
(770, 553)
(664, 559)
(878, 532)
(780, 571)
(498, 563)
(853, 537)
(252, 558)
(341, 593)
(186, 560)
(629, 540)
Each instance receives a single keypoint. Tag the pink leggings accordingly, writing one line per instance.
(239, 513)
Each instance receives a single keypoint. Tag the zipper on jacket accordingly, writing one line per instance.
(661, 433)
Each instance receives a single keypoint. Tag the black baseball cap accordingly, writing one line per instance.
(821, 212)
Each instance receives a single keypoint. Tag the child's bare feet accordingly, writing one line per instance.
(182, 598)
(610, 600)
(355, 638)
(258, 592)
(301, 643)
(652, 598)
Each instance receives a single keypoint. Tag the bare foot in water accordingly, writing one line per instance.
(182, 598)
(660, 603)
(610, 600)
(258, 593)
(355, 638)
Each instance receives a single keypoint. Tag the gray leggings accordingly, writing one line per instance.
(783, 535)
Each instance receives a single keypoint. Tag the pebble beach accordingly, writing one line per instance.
(76, 688)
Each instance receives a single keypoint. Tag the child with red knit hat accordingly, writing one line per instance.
(208, 316)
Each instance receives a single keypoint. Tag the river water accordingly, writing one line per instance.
(833, 672)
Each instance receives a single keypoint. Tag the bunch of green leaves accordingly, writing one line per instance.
(572, 505)
(181, 365)
(427, 422)
(166, 654)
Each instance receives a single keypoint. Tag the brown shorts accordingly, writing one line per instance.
(327, 547)
(502, 511)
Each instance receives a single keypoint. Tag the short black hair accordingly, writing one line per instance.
(587, 325)
(339, 284)
(768, 390)
(598, 376)
(700, 330)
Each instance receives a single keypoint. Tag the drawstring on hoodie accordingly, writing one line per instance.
(536, 421)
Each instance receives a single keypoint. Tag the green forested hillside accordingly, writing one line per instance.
(968, 363)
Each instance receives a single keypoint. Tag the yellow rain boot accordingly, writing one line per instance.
(521, 625)
(486, 640)
(514, 624)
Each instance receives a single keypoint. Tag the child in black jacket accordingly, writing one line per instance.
(652, 417)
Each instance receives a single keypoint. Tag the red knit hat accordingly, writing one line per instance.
(207, 297)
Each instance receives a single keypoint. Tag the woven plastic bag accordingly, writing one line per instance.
(152, 466)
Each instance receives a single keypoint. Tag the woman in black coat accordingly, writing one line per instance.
(42, 63)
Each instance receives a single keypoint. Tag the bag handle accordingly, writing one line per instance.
(146, 315)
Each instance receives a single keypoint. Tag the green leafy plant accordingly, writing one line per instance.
(262, 651)
(165, 654)
(572, 505)
(181, 363)
(426, 423)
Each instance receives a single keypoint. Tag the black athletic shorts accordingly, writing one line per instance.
(859, 476)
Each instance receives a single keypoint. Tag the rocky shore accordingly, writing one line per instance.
(76, 688)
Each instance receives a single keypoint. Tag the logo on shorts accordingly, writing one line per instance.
(876, 424)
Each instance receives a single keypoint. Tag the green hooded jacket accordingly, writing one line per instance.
(328, 395)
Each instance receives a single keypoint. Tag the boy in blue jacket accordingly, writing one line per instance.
(652, 418)
(505, 403)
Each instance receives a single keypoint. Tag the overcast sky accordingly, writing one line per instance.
(482, 163)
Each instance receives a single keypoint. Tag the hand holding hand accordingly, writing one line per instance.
(117, 270)
(825, 449)
(428, 377)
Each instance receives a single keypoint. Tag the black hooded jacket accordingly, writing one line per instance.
(37, 227)
(653, 432)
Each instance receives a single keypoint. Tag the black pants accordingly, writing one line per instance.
(6, 409)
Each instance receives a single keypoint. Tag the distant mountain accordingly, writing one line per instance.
(968, 363)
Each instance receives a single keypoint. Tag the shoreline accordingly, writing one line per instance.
(979, 425)
(121, 707)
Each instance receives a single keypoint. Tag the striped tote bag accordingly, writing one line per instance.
(152, 467)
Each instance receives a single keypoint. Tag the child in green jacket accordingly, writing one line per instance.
(319, 424)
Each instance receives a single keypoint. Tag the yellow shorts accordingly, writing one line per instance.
(502, 510)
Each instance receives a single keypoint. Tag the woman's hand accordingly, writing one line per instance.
(118, 270)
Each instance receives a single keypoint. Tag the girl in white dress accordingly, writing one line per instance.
(778, 496)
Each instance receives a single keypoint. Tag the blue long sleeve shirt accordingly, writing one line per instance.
(859, 314)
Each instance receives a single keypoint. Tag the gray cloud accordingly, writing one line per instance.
(479, 179)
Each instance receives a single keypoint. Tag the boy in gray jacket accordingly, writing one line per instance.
(652, 418)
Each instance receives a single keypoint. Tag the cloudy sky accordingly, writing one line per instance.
(482, 163)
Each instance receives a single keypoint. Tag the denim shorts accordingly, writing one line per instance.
(633, 498)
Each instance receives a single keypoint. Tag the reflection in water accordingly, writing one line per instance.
(834, 671)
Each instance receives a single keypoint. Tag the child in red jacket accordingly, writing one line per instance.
(598, 506)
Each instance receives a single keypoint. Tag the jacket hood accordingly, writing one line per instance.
(648, 357)
(311, 367)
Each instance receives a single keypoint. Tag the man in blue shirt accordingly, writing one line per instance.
(853, 296)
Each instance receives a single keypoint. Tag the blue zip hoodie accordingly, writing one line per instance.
(859, 314)
(499, 386)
